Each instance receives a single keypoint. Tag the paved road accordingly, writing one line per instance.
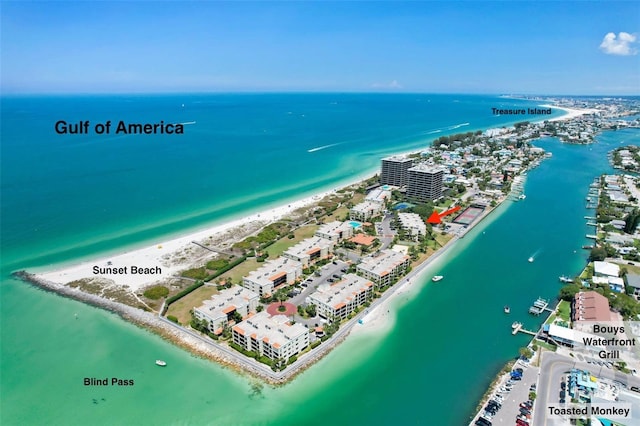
(554, 366)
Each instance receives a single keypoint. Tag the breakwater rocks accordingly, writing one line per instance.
(188, 339)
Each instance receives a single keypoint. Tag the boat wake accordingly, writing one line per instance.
(322, 147)
(457, 126)
(432, 131)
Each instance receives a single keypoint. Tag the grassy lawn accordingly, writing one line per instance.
(180, 308)
(244, 268)
(338, 214)
(545, 345)
(280, 246)
(564, 310)
(630, 268)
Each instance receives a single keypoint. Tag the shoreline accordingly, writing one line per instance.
(373, 319)
(150, 255)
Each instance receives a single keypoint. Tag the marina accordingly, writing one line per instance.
(539, 306)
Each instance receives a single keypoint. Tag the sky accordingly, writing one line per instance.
(542, 47)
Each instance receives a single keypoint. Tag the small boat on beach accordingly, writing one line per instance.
(161, 363)
(437, 278)
(507, 309)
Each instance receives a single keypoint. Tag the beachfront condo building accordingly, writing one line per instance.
(273, 337)
(413, 224)
(395, 170)
(425, 183)
(341, 298)
(365, 210)
(335, 231)
(378, 195)
(383, 267)
(219, 310)
(310, 251)
(273, 275)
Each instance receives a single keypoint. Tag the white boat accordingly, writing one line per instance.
(437, 278)
(507, 309)
(565, 279)
(531, 259)
(522, 196)
(161, 363)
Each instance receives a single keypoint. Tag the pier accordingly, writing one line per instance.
(517, 328)
(539, 306)
(591, 236)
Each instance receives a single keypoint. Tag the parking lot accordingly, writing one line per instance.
(510, 397)
(326, 273)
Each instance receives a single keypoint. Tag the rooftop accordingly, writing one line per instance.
(309, 246)
(341, 292)
(272, 269)
(383, 262)
(226, 301)
(275, 330)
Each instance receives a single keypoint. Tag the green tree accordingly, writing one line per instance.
(569, 291)
(598, 253)
(311, 310)
(525, 352)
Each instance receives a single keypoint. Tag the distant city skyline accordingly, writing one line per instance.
(568, 48)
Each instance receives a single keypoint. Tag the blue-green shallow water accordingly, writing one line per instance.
(446, 345)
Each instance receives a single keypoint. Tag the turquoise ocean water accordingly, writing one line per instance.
(78, 196)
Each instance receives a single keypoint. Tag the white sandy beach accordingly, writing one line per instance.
(165, 253)
(571, 112)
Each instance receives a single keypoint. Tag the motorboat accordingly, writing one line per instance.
(437, 278)
(161, 363)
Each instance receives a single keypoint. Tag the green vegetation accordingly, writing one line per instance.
(173, 319)
(181, 309)
(195, 273)
(217, 264)
(156, 292)
(564, 310)
(283, 244)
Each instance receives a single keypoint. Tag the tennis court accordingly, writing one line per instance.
(468, 215)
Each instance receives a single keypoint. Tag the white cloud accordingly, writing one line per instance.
(391, 85)
(620, 45)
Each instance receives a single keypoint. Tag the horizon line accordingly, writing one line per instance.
(305, 92)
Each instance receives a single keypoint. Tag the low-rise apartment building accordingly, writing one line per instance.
(383, 267)
(310, 250)
(365, 210)
(335, 231)
(341, 298)
(273, 337)
(273, 275)
(219, 310)
(412, 223)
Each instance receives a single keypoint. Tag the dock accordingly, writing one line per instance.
(591, 236)
(517, 328)
(539, 306)
(590, 217)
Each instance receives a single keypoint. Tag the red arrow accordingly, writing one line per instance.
(436, 217)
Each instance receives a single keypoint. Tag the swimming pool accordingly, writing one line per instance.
(402, 206)
(355, 224)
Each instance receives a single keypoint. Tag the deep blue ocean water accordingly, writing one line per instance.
(76, 196)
